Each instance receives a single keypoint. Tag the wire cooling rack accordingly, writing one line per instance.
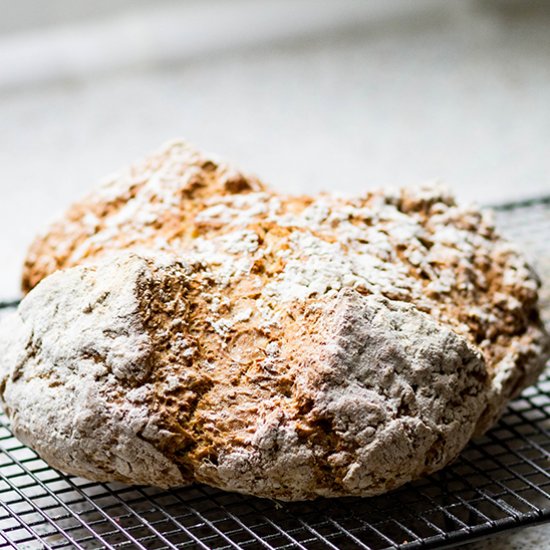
(501, 481)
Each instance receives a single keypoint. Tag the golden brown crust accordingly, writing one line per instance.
(466, 276)
(240, 335)
(197, 178)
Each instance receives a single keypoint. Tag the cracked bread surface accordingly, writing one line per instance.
(297, 346)
(353, 405)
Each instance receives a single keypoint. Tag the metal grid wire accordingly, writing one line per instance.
(499, 482)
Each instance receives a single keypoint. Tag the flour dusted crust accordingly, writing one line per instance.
(205, 328)
(75, 355)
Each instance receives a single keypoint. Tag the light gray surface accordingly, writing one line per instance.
(532, 538)
(455, 91)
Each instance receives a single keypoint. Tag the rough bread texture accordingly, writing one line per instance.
(78, 353)
(207, 329)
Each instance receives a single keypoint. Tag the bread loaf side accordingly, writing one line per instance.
(288, 347)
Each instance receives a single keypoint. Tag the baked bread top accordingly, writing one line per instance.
(284, 346)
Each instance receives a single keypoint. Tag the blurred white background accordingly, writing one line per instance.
(309, 94)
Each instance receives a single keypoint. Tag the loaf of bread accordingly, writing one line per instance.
(190, 325)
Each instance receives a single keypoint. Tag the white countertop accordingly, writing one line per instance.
(356, 95)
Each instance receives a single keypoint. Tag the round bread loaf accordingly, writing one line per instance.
(203, 328)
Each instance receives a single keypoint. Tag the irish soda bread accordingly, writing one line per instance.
(193, 325)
